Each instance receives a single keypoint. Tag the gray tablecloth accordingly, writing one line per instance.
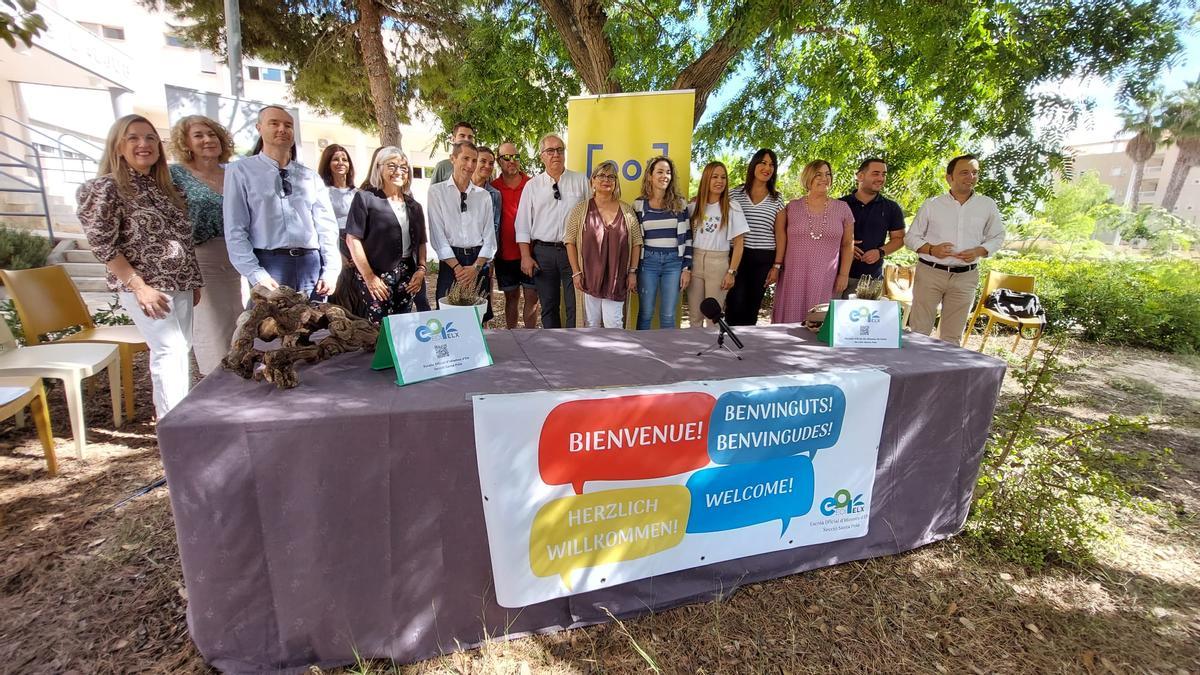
(343, 517)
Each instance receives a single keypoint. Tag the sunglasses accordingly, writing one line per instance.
(462, 204)
(509, 158)
(557, 193)
(287, 184)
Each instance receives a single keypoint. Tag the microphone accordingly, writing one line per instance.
(711, 309)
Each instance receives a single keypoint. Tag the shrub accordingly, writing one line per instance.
(21, 250)
(1121, 302)
(1048, 482)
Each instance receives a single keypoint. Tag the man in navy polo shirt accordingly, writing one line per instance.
(878, 223)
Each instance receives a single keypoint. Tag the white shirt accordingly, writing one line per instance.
(710, 236)
(259, 215)
(975, 222)
(450, 226)
(340, 199)
(401, 210)
(541, 217)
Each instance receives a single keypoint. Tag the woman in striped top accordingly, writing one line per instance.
(666, 267)
(765, 243)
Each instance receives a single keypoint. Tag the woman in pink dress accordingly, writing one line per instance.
(820, 245)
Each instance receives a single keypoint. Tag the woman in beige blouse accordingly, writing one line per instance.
(137, 224)
(604, 245)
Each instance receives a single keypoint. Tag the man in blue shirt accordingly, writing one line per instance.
(875, 218)
(280, 228)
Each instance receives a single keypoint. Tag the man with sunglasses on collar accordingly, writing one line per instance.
(462, 230)
(280, 228)
(541, 217)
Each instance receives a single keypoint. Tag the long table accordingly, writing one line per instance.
(344, 516)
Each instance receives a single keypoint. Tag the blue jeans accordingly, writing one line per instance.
(295, 268)
(658, 280)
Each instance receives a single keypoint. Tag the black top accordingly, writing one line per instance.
(372, 220)
(872, 222)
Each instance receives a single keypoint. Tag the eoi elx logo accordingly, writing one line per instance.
(436, 330)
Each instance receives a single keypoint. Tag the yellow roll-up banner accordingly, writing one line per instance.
(630, 129)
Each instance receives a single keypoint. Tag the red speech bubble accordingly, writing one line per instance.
(624, 438)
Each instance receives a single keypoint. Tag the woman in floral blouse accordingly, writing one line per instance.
(202, 147)
(137, 224)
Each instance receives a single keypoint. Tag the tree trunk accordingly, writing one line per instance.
(580, 24)
(1135, 188)
(379, 72)
(1189, 156)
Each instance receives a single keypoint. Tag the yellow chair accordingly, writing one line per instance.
(47, 301)
(1012, 282)
(18, 392)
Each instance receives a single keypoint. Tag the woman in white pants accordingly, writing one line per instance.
(137, 223)
(604, 246)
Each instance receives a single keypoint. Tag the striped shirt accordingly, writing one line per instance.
(663, 228)
(761, 217)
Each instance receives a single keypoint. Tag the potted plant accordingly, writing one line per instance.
(465, 295)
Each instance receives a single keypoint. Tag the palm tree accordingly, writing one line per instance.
(1181, 118)
(1144, 120)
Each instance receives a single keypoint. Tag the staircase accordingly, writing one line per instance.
(75, 254)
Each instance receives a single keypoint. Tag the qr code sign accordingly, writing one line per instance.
(864, 330)
(441, 351)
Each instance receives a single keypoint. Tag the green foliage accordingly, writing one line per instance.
(1072, 212)
(1120, 302)
(1048, 482)
(18, 22)
(20, 250)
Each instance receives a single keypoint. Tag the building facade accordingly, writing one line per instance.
(1108, 159)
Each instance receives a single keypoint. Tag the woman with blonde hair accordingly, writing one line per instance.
(820, 247)
(203, 147)
(604, 244)
(666, 267)
(385, 234)
(718, 230)
(137, 224)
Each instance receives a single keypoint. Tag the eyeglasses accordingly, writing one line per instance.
(509, 158)
(287, 184)
(396, 168)
(557, 193)
(554, 151)
(605, 177)
(462, 204)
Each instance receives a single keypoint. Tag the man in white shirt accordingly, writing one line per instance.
(461, 227)
(951, 232)
(280, 229)
(541, 217)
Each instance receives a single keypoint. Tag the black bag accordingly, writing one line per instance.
(1015, 304)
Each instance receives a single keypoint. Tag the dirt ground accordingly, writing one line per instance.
(85, 588)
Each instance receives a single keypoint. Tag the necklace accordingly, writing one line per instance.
(816, 236)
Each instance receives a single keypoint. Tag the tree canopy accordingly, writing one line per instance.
(912, 81)
(18, 22)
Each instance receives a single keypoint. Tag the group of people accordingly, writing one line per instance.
(178, 239)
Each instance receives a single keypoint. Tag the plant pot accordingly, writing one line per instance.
(480, 307)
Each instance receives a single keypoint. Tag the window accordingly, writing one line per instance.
(288, 77)
(106, 32)
(252, 72)
(174, 40)
(208, 62)
(272, 74)
(1117, 171)
(418, 172)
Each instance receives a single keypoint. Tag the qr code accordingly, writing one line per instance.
(441, 351)
(864, 330)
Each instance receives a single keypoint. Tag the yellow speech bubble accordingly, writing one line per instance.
(605, 527)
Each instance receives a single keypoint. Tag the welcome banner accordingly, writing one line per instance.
(591, 488)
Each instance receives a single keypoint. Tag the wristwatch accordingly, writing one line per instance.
(882, 253)
(731, 272)
(778, 266)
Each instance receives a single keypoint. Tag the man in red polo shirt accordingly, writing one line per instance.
(509, 276)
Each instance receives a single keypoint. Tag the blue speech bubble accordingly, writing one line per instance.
(729, 497)
(752, 426)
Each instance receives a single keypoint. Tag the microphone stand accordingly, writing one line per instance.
(720, 345)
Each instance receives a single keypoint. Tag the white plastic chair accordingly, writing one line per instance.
(17, 393)
(67, 362)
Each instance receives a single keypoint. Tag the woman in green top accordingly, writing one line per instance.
(202, 148)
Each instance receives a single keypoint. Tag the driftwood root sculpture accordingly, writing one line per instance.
(285, 315)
